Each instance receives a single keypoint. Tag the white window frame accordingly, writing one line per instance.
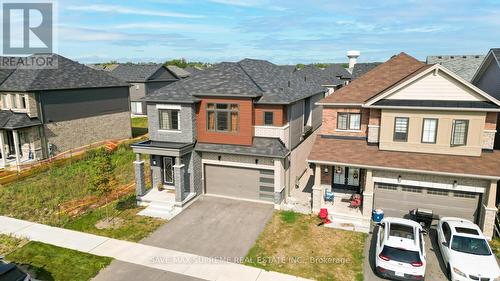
(429, 136)
(349, 123)
(136, 105)
(170, 113)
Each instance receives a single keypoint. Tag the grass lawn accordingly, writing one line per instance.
(292, 243)
(47, 262)
(123, 224)
(139, 126)
(38, 198)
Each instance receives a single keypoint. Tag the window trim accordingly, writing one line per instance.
(348, 128)
(407, 129)
(178, 120)
(215, 110)
(435, 130)
(264, 118)
(466, 134)
(172, 164)
(23, 101)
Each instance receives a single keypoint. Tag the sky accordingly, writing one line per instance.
(282, 31)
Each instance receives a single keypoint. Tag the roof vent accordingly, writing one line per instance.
(440, 57)
(305, 78)
(464, 57)
(452, 57)
(288, 84)
(476, 57)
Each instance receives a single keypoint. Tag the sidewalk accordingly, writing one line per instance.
(149, 256)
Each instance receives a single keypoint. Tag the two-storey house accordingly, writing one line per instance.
(49, 110)
(408, 135)
(144, 79)
(238, 130)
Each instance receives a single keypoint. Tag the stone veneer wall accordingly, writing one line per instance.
(66, 135)
(374, 125)
(488, 138)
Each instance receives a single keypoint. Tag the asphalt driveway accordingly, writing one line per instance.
(435, 267)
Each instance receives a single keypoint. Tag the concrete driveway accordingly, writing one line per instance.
(211, 226)
(435, 270)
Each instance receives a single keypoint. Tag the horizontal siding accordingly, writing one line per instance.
(279, 114)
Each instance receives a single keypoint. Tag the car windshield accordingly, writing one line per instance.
(400, 255)
(13, 274)
(470, 245)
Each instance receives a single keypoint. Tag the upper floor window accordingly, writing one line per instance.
(269, 118)
(348, 121)
(4, 102)
(23, 102)
(429, 130)
(13, 101)
(401, 128)
(169, 119)
(222, 117)
(459, 132)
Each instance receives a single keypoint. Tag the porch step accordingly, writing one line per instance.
(348, 222)
(161, 211)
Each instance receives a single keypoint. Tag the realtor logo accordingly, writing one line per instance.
(27, 28)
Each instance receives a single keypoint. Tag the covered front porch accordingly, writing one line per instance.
(171, 182)
(334, 189)
(20, 139)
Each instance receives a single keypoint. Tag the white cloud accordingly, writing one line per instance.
(249, 3)
(177, 27)
(130, 11)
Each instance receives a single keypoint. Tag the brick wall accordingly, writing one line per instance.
(66, 135)
(491, 121)
(329, 126)
(326, 177)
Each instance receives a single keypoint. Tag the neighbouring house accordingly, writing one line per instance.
(361, 68)
(46, 111)
(144, 79)
(408, 135)
(238, 130)
(487, 78)
(463, 65)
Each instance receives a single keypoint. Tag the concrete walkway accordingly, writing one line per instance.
(135, 253)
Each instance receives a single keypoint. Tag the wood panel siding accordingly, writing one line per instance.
(244, 132)
(279, 118)
(329, 126)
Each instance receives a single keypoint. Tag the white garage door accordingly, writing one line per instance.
(397, 201)
(239, 182)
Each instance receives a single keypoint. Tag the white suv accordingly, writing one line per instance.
(465, 251)
(400, 251)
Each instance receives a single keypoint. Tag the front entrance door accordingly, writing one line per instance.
(10, 142)
(346, 178)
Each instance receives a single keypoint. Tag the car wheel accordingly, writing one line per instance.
(448, 272)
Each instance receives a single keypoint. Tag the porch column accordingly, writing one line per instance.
(140, 182)
(489, 211)
(368, 194)
(16, 148)
(179, 170)
(2, 148)
(317, 190)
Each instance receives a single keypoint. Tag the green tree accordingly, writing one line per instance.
(101, 174)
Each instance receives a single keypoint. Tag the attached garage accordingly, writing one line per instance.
(397, 201)
(238, 182)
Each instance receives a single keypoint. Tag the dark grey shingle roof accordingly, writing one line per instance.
(135, 72)
(464, 66)
(261, 147)
(272, 84)
(161, 144)
(193, 70)
(67, 75)
(361, 68)
(179, 72)
(496, 53)
(13, 120)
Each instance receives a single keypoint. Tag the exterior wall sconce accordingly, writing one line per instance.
(256, 161)
(399, 179)
(455, 184)
(219, 157)
(326, 170)
(355, 175)
(154, 162)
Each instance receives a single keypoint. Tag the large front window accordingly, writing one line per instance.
(168, 170)
(348, 121)
(459, 132)
(222, 117)
(169, 119)
(401, 128)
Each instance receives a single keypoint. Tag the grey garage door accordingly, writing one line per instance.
(239, 182)
(396, 201)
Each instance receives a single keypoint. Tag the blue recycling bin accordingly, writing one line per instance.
(377, 215)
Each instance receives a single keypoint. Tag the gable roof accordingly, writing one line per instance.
(492, 56)
(463, 65)
(376, 80)
(68, 74)
(361, 68)
(131, 72)
(250, 78)
(177, 71)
